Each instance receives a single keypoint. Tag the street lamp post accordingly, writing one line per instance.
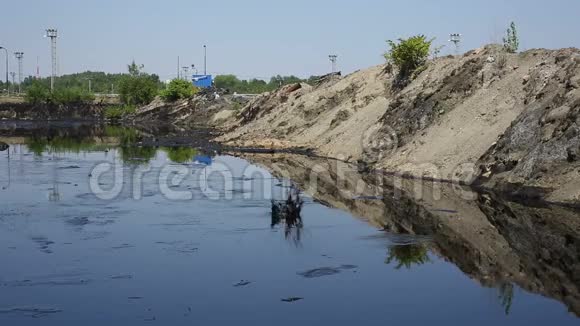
(7, 88)
(205, 60)
(19, 56)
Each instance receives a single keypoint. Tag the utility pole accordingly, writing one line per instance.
(53, 34)
(7, 87)
(19, 56)
(455, 38)
(37, 68)
(89, 85)
(178, 72)
(205, 60)
(333, 58)
(185, 72)
(13, 74)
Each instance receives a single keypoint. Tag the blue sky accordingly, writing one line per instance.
(258, 38)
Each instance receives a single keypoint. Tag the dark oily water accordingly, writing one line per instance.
(92, 234)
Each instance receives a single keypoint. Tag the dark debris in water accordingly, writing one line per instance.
(32, 311)
(84, 221)
(60, 282)
(292, 299)
(70, 167)
(43, 244)
(242, 283)
(326, 271)
(123, 246)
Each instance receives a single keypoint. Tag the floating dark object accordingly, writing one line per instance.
(320, 272)
(3, 146)
(70, 167)
(326, 271)
(242, 283)
(292, 299)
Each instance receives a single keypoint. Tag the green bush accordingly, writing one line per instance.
(71, 95)
(409, 55)
(178, 89)
(37, 93)
(119, 111)
(137, 90)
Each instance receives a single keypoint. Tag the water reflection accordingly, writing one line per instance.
(180, 154)
(289, 211)
(408, 255)
(96, 138)
(3, 146)
(506, 296)
(496, 242)
(434, 244)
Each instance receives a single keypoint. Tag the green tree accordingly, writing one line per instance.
(178, 89)
(230, 82)
(134, 69)
(138, 88)
(37, 93)
(409, 55)
(511, 42)
(254, 86)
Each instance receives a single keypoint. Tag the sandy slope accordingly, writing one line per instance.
(445, 124)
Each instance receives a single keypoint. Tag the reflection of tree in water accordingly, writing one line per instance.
(76, 141)
(137, 154)
(180, 154)
(58, 144)
(289, 212)
(506, 296)
(408, 255)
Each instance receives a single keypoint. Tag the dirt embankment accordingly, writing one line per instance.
(204, 109)
(507, 121)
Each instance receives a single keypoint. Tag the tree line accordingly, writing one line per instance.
(256, 86)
